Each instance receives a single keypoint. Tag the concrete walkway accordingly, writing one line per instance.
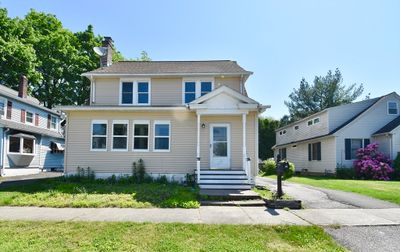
(211, 215)
(205, 214)
(319, 198)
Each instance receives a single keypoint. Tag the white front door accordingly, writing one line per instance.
(220, 146)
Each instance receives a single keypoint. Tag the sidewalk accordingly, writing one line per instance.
(211, 215)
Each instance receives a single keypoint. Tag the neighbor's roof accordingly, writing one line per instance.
(171, 68)
(29, 128)
(11, 93)
(389, 127)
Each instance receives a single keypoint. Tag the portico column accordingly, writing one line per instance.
(244, 141)
(198, 149)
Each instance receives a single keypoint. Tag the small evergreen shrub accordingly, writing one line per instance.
(343, 172)
(372, 164)
(190, 180)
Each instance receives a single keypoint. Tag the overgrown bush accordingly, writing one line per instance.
(396, 167)
(139, 171)
(343, 172)
(190, 180)
(372, 164)
(269, 168)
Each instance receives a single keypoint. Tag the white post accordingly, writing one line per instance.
(198, 149)
(244, 145)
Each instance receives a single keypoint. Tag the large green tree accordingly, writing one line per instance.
(266, 130)
(51, 56)
(326, 91)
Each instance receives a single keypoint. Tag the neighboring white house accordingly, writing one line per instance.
(180, 117)
(31, 138)
(325, 140)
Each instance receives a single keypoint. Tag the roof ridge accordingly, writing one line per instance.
(154, 61)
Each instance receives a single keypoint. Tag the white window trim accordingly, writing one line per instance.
(198, 81)
(154, 135)
(91, 135)
(397, 107)
(148, 135)
(33, 118)
(21, 146)
(4, 115)
(127, 134)
(51, 120)
(135, 98)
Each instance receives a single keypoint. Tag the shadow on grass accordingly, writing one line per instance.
(152, 193)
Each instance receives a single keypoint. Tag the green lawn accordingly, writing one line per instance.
(384, 190)
(113, 236)
(59, 192)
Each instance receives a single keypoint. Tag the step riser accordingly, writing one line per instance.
(220, 181)
(237, 187)
(223, 177)
(222, 172)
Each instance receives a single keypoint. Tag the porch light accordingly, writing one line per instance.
(203, 125)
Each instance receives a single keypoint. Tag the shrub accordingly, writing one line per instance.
(396, 167)
(139, 172)
(289, 172)
(190, 180)
(372, 164)
(343, 172)
(268, 167)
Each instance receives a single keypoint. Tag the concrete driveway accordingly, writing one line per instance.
(318, 198)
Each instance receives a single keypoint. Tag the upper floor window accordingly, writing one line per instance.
(193, 89)
(2, 106)
(135, 92)
(393, 108)
(29, 117)
(53, 122)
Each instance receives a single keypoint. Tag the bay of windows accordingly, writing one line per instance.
(21, 145)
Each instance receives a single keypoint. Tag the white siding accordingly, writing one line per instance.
(396, 142)
(385, 144)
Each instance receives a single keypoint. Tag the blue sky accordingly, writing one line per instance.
(280, 41)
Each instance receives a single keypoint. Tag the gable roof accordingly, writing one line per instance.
(171, 68)
(227, 90)
(389, 127)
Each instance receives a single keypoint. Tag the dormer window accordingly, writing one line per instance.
(393, 108)
(135, 92)
(193, 89)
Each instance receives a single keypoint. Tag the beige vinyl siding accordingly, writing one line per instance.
(166, 91)
(232, 82)
(299, 156)
(182, 155)
(106, 91)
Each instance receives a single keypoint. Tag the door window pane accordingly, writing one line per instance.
(220, 149)
(220, 133)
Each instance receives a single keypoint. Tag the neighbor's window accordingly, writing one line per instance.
(2, 106)
(309, 123)
(29, 117)
(314, 151)
(282, 153)
(162, 136)
(190, 91)
(205, 87)
(120, 135)
(143, 92)
(99, 135)
(296, 127)
(127, 93)
(53, 123)
(316, 120)
(27, 144)
(141, 136)
(392, 108)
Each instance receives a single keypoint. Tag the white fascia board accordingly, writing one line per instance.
(161, 74)
(122, 108)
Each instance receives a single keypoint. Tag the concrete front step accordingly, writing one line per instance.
(229, 194)
(233, 203)
(223, 181)
(225, 186)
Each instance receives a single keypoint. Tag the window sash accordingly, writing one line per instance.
(53, 122)
(99, 136)
(116, 138)
(21, 145)
(190, 92)
(158, 137)
(197, 88)
(140, 136)
(29, 117)
(127, 93)
(392, 108)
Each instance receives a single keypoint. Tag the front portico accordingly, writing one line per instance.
(227, 125)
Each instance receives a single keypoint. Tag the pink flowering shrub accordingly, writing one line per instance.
(372, 164)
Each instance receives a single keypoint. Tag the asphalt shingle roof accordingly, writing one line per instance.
(389, 127)
(172, 67)
(30, 129)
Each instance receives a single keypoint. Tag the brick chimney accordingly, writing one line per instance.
(106, 60)
(23, 86)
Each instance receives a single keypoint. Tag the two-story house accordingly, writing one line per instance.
(180, 117)
(323, 141)
(31, 139)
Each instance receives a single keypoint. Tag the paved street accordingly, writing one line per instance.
(318, 198)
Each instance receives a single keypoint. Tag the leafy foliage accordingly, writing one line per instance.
(343, 172)
(372, 164)
(326, 91)
(266, 129)
(269, 168)
(396, 167)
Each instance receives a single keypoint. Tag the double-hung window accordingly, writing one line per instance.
(162, 135)
(193, 89)
(135, 92)
(2, 106)
(53, 122)
(29, 117)
(120, 136)
(393, 108)
(140, 135)
(352, 145)
(99, 135)
(314, 151)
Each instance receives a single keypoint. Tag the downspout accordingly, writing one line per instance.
(3, 154)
